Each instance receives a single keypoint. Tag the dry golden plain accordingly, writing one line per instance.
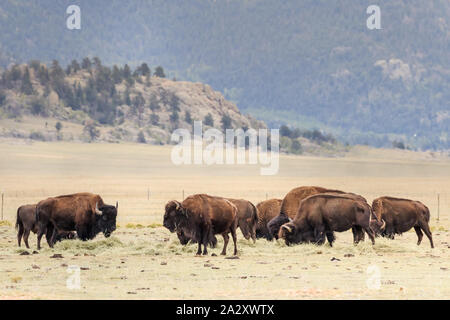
(142, 260)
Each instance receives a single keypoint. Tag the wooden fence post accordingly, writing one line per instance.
(439, 209)
(2, 204)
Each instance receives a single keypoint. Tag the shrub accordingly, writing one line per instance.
(141, 137)
(36, 135)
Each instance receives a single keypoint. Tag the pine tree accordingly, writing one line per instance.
(209, 121)
(86, 64)
(187, 117)
(159, 72)
(26, 87)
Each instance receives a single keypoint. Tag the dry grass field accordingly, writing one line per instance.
(142, 260)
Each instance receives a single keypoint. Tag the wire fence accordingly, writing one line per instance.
(150, 204)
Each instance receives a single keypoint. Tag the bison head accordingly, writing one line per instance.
(174, 215)
(274, 225)
(106, 218)
(377, 226)
(293, 235)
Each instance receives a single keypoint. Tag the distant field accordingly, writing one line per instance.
(143, 179)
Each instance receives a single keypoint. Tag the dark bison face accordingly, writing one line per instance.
(173, 215)
(292, 235)
(106, 221)
(184, 239)
(275, 224)
(377, 226)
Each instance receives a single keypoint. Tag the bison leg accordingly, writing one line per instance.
(25, 238)
(233, 234)
(330, 238)
(254, 234)
(419, 234)
(426, 229)
(370, 233)
(53, 238)
(48, 234)
(358, 234)
(199, 251)
(39, 237)
(226, 238)
(20, 233)
(82, 233)
(319, 235)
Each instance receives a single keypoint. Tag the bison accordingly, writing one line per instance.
(267, 210)
(26, 223)
(290, 204)
(247, 220)
(322, 214)
(86, 213)
(201, 216)
(184, 239)
(400, 215)
(247, 217)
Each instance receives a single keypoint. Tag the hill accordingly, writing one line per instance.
(309, 64)
(89, 102)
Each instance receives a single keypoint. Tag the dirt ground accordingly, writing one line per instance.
(142, 260)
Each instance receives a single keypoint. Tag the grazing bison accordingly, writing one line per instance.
(201, 216)
(400, 215)
(267, 210)
(322, 214)
(247, 220)
(290, 204)
(86, 213)
(26, 223)
(184, 239)
(247, 217)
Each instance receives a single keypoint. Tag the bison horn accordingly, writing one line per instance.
(97, 211)
(287, 228)
(383, 225)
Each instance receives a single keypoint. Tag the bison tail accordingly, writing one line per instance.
(255, 214)
(427, 214)
(36, 214)
(18, 220)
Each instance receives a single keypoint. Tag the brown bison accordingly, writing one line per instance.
(400, 215)
(247, 220)
(290, 204)
(322, 214)
(86, 213)
(201, 216)
(267, 210)
(247, 217)
(184, 239)
(26, 223)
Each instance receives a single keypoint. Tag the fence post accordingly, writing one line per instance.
(2, 204)
(267, 197)
(148, 193)
(183, 195)
(439, 209)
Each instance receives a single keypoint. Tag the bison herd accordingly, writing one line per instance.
(58, 217)
(305, 215)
